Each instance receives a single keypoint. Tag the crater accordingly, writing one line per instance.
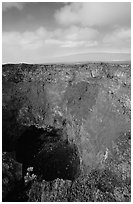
(50, 155)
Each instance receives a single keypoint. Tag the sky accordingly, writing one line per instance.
(44, 32)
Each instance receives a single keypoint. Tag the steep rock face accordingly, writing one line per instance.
(28, 144)
(89, 104)
(50, 155)
(109, 184)
(59, 160)
(11, 173)
(80, 98)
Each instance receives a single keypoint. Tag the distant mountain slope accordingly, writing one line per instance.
(95, 57)
(80, 57)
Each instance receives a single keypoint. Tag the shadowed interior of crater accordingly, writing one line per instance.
(50, 156)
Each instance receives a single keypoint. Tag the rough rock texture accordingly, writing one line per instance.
(88, 104)
(112, 183)
(58, 161)
(48, 153)
(56, 191)
(11, 173)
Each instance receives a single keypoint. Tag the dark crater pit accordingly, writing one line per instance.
(49, 153)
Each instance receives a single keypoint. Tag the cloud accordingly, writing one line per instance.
(70, 44)
(118, 35)
(120, 38)
(74, 37)
(79, 33)
(81, 43)
(40, 44)
(64, 37)
(95, 14)
(24, 46)
(53, 42)
(8, 5)
(27, 39)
